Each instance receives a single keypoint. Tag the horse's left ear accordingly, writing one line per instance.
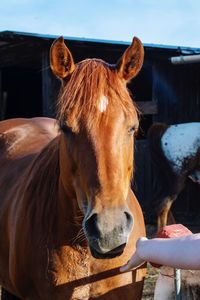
(132, 60)
(61, 60)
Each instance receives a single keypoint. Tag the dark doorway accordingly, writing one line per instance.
(21, 89)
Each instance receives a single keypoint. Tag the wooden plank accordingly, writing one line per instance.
(3, 100)
(46, 99)
(50, 87)
(176, 90)
(147, 107)
(0, 88)
(142, 180)
(3, 105)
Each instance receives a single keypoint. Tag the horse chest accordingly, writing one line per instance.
(68, 267)
(75, 275)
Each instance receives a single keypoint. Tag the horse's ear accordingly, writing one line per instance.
(61, 60)
(132, 60)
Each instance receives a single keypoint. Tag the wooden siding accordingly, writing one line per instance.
(176, 90)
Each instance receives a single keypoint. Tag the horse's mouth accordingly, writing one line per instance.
(110, 254)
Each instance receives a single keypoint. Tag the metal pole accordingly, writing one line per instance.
(177, 283)
(185, 59)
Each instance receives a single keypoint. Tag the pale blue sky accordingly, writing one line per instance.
(169, 22)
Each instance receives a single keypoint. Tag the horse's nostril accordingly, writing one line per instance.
(91, 225)
(129, 219)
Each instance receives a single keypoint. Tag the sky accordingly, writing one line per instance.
(169, 22)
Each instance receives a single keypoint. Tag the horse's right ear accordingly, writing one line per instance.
(61, 60)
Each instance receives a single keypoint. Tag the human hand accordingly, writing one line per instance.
(135, 260)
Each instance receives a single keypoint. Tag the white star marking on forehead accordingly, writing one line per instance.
(103, 103)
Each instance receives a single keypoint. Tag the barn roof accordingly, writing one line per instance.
(14, 35)
(21, 48)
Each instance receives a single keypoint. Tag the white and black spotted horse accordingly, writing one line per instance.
(175, 153)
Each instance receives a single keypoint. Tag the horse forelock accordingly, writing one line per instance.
(93, 88)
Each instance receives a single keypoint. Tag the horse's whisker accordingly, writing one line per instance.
(80, 235)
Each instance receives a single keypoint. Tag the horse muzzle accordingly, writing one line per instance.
(108, 233)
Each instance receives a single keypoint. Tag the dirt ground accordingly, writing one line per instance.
(149, 284)
(152, 273)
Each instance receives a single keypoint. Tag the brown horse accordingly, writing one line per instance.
(68, 218)
(175, 153)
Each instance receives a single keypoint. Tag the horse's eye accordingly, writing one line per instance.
(132, 130)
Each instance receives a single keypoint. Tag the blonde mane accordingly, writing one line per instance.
(80, 97)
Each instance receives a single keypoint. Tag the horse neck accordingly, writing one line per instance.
(51, 207)
(39, 192)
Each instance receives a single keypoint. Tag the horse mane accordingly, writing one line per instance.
(80, 96)
(166, 183)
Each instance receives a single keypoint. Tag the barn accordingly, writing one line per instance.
(165, 91)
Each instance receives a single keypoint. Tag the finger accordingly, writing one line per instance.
(127, 267)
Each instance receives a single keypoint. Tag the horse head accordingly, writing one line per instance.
(98, 121)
